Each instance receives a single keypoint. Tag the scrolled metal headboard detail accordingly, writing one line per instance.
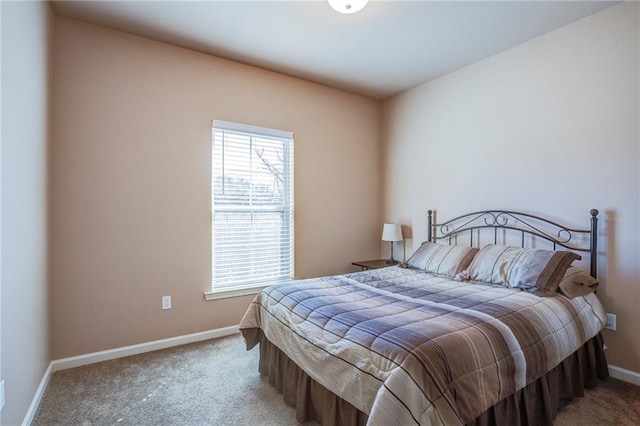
(524, 223)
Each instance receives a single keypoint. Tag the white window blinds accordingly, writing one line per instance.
(252, 197)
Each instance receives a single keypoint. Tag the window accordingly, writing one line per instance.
(252, 206)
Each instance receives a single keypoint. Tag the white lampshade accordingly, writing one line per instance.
(348, 6)
(391, 232)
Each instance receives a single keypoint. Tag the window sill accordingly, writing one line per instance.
(234, 292)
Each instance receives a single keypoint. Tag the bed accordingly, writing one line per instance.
(479, 333)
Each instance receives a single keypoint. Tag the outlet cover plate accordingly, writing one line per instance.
(611, 322)
(166, 302)
(1, 394)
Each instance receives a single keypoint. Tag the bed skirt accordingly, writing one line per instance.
(536, 404)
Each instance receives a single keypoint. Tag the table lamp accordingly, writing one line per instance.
(391, 232)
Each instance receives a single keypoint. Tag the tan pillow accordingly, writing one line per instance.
(576, 282)
(442, 259)
(533, 270)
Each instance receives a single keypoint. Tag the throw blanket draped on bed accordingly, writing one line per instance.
(407, 347)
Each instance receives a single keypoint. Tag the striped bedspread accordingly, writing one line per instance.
(407, 347)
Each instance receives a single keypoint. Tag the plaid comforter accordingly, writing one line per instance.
(407, 347)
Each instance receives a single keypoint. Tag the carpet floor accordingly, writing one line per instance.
(216, 382)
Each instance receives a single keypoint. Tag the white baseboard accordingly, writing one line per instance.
(624, 375)
(77, 361)
(35, 402)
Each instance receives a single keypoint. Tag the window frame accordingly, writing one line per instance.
(287, 207)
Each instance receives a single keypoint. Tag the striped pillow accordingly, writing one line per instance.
(534, 270)
(442, 259)
(491, 262)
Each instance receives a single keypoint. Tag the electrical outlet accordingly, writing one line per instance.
(611, 322)
(1, 394)
(166, 302)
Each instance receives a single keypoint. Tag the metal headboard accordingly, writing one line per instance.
(526, 224)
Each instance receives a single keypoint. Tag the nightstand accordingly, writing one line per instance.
(373, 264)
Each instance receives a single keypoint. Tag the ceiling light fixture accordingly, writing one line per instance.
(348, 6)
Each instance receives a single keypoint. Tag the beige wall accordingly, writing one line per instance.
(25, 316)
(131, 182)
(549, 127)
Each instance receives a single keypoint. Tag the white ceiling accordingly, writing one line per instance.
(388, 47)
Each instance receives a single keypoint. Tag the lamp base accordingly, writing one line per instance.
(391, 260)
